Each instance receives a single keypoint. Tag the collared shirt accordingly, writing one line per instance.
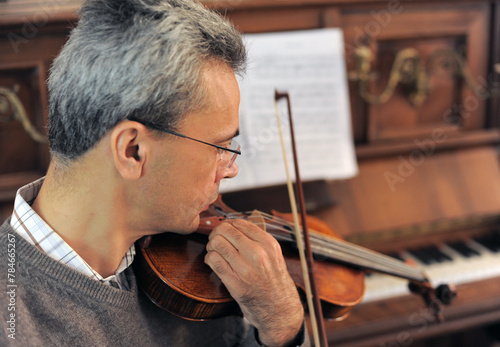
(36, 231)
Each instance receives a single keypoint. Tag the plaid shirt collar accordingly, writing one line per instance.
(36, 231)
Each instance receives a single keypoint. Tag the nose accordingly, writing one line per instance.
(227, 172)
(232, 171)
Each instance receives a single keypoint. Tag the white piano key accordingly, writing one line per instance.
(460, 270)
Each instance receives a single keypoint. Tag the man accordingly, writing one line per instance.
(143, 112)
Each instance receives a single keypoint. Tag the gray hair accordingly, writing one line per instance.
(139, 59)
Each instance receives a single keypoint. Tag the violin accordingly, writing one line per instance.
(171, 270)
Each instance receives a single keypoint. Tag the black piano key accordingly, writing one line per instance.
(429, 255)
(462, 248)
(439, 255)
(396, 255)
(490, 241)
(422, 256)
(496, 240)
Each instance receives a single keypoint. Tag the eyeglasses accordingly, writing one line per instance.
(234, 146)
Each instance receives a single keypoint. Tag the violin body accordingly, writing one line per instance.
(172, 272)
(339, 287)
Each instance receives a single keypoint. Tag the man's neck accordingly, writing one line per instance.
(85, 211)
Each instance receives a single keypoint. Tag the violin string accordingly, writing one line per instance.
(350, 253)
(322, 240)
(377, 263)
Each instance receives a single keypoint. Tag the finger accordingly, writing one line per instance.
(246, 257)
(225, 261)
(221, 244)
(240, 232)
(218, 264)
(249, 251)
(226, 250)
(262, 243)
(227, 230)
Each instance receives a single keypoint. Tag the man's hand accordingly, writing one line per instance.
(250, 263)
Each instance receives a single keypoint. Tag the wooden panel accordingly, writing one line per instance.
(26, 52)
(33, 14)
(20, 151)
(404, 321)
(418, 192)
(451, 104)
(22, 158)
(252, 21)
(493, 114)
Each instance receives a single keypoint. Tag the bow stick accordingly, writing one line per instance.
(303, 242)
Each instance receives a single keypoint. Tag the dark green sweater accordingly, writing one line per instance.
(45, 303)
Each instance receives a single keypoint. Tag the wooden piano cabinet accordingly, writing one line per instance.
(427, 170)
(23, 158)
(436, 32)
(403, 321)
(31, 35)
(428, 166)
(399, 197)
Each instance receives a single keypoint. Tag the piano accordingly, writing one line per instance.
(389, 316)
(461, 248)
(458, 262)
(428, 188)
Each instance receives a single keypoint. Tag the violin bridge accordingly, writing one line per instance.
(256, 218)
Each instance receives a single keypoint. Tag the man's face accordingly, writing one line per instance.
(187, 172)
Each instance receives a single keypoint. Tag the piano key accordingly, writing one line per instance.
(462, 248)
(490, 241)
(422, 256)
(439, 255)
(460, 269)
(429, 255)
(396, 255)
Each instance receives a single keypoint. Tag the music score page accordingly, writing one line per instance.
(310, 66)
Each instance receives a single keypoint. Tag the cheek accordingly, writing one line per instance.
(204, 175)
(190, 175)
(197, 177)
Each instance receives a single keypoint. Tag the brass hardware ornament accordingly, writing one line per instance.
(10, 102)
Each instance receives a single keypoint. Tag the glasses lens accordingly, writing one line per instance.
(235, 146)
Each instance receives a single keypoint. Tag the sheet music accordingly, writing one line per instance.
(310, 66)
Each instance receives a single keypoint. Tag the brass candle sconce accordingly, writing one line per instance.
(408, 70)
(11, 109)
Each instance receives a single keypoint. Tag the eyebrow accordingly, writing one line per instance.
(237, 132)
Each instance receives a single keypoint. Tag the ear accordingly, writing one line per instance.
(130, 148)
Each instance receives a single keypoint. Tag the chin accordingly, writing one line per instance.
(188, 227)
(195, 224)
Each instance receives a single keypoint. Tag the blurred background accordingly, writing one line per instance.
(423, 85)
